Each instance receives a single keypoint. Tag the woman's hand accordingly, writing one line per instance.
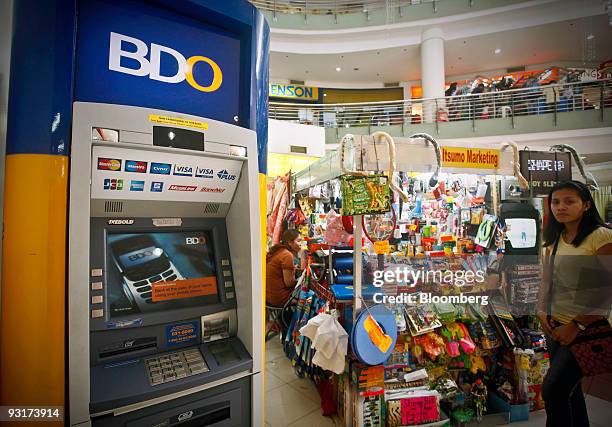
(546, 327)
(565, 334)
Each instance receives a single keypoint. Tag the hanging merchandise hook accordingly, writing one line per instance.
(588, 176)
(523, 183)
(391, 148)
(348, 138)
(428, 138)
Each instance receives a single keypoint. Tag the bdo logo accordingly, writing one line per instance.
(152, 67)
(195, 240)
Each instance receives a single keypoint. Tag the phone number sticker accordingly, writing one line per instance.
(181, 333)
(32, 413)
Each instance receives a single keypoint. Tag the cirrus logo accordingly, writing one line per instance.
(151, 67)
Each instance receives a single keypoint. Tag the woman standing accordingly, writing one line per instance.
(575, 295)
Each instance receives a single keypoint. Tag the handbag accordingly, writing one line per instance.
(592, 347)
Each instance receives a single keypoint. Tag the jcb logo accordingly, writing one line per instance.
(152, 67)
(195, 240)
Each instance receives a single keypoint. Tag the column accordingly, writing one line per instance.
(432, 70)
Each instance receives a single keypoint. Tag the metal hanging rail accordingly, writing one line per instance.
(332, 7)
(548, 99)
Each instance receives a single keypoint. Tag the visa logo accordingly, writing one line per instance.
(137, 186)
(161, 168)
(135, 166)
(224, 174)
(181, 170)
(137, 50)
(204, 172)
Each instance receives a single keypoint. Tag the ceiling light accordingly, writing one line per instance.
(324, 94)
(497, 51)
(590, 37)
(338, 69)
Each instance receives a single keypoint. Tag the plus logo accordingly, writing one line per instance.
(224, 174)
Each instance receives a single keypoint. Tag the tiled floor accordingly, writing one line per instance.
(290, 401)
(294, 402)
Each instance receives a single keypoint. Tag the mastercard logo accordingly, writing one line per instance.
(109, 164)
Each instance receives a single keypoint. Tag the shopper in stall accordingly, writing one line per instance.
(575, 294)
(280, 268)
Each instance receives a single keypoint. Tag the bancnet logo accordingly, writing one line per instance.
(151, 66)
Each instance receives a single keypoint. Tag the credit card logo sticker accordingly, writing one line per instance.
(113, 184)
(161, 168)
(212, 190)
(182, 170)
(135, 166)
(137, 186)
(157, 187)
(174, 187)
(204, 172)
(105, 164)
(224, 174)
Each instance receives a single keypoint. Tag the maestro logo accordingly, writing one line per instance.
(135, 166)
(137, 50)
(224, 174)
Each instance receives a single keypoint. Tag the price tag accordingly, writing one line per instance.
(382, 247)
(376, 334)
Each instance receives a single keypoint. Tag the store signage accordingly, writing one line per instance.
(294, 92)
(162, 60)
(365, 194)
(470, 158)
(543, 169)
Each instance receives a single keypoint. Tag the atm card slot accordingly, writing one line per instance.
(128, 347)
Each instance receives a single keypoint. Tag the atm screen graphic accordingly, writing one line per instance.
(151, 272)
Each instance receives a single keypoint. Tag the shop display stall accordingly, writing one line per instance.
(416, 304)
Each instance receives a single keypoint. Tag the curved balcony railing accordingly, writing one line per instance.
(330, 7)
(508, 104)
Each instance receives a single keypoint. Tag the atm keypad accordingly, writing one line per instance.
(170, 367)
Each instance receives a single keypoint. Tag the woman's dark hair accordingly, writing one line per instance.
(286, 237)
(590, 219)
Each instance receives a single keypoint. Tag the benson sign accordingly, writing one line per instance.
(294, 92)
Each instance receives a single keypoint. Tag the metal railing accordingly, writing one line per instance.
(538, 100)
(332, 7)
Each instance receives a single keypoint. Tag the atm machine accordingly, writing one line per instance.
(165, 267)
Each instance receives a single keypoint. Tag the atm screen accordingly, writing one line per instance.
(151, 272)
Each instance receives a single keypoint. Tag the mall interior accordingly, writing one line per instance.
(306, 213)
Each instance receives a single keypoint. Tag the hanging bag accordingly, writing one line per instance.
(592, 348)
